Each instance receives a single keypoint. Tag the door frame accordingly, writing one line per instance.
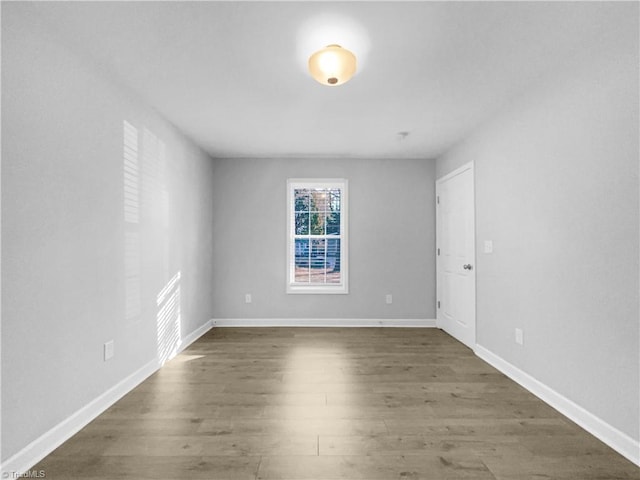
(439, 182)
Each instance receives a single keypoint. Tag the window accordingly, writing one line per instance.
(317, 236)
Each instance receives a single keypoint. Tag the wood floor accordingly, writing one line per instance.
(305, 403)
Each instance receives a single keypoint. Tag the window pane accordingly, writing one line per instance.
(301, 200)
(302, 260)
(333, 260)
(317, 223)
(334, 200)
(333, 223)
(318, 261)
(319, 200)
(302, 223)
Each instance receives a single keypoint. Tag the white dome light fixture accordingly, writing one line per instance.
(333, 65)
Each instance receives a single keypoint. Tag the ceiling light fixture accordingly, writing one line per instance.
(333, 65)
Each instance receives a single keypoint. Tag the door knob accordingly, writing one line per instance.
(468, 266)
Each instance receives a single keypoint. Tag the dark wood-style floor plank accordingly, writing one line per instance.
(331, 404)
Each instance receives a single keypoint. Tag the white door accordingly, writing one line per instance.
(455, 239)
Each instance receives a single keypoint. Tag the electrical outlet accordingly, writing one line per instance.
(247, 298)
(519, 336)
(108, 350)
(389, 299)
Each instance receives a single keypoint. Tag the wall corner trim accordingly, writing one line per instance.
(325, 322)
(42, 446)
(619, 441)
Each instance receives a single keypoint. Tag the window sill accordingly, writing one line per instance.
(317, 290)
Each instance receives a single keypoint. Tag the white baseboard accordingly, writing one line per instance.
(30, 455)
(619, 441)
(196, 334)
(324, 322)
(193, 336)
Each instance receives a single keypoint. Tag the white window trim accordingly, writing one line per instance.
(337, 288)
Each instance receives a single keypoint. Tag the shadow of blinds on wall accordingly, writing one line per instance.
(132, 269)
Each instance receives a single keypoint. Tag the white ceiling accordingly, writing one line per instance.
(232, 75)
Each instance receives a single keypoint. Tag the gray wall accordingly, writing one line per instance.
(391, 239)
(74, 273)
(557, 192)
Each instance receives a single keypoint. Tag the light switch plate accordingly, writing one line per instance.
(519, 336)
(488, 246)
(108, 350)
